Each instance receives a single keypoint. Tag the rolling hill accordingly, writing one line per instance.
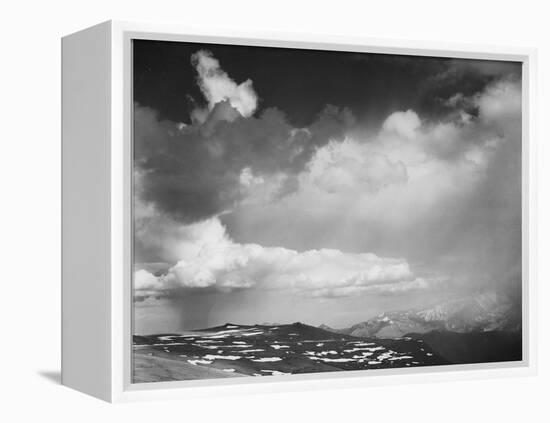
(262, 350)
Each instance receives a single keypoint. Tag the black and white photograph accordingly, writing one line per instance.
(308, 211)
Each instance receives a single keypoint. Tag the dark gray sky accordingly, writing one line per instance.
(277, 185)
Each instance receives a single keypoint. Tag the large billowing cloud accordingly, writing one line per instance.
(444, 194)
(210, 259)
(196, 171)
(410, 174)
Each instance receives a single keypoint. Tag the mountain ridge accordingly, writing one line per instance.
(480, 313)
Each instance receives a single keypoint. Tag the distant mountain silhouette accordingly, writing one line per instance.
(484, 312)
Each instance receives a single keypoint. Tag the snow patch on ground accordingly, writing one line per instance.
(208, 347)
(278, 347)
(276, 372)
(252, 333)
(360, 357)
(384, 356)
(226, 332)
(401, 357)
(375, 349)
(196, 362)
(357, 349)
(332, 352)
(168, 337)
(222, 357)
(172, 344)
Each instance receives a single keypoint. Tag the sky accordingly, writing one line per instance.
(282, 185)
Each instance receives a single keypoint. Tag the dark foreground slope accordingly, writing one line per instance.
(260, 350)
(474, 347)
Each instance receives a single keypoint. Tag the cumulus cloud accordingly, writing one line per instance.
(429, 190)
(197, 171)
(217, 86)
(248, 179)
(405, 173)
(343, 166)
(210, 259)
(500, 103)
(404, 124)
(144, 280)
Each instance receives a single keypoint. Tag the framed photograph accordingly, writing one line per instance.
(273, 211)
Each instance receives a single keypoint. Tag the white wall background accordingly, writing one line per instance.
(30, 207)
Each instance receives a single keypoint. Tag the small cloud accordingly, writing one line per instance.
(217, 86)
(500, 102)
(146, 281)
(248, 179)
(404, 124)
(455, 100)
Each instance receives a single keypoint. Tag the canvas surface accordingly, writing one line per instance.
(300, 211)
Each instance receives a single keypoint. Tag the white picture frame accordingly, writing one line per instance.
(97, 224)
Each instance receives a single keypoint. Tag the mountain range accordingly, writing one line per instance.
(480, 313)
(477, 329)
